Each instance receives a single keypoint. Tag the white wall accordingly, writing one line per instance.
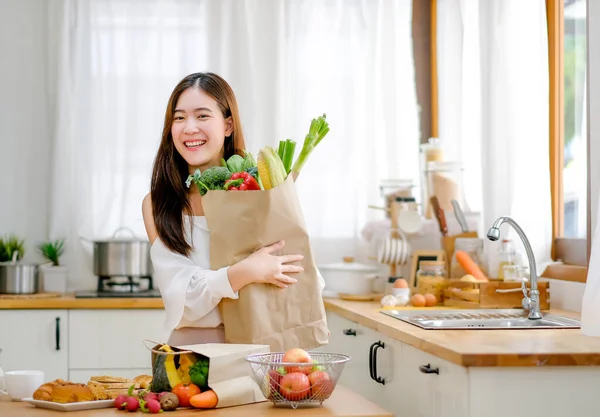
(24, 128)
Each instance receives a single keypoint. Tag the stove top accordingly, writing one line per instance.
(121, 287)
(118, 294)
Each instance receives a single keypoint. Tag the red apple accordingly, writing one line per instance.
(273, 381)
(321, 385)
(297, 355)
(295, 386)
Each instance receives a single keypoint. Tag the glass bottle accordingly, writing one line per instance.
(507, 256)
(474, 248)
(431, 278)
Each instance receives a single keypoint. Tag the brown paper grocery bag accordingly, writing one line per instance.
(229, 375)
(241, 222)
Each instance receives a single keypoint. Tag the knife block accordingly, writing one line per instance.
(448, 246)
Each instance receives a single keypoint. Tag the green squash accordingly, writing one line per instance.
(160, 380)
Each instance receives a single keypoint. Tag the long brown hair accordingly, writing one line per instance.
(169, 195)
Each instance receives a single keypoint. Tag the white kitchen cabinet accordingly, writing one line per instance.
(357, 341)
(343, 339)
(113, 339)
(435, 387)
(35, 340)
(418, 384)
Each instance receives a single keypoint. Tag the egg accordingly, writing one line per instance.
(430, 300)
(417, 300)
(400, 283)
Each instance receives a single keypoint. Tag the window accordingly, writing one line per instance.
(567, 39)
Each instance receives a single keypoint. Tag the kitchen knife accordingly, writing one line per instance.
(460, 217)
(439, 215)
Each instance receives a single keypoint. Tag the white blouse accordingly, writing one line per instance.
(190, 290)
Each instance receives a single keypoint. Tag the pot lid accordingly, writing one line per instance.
(348, 264)
(122, 239)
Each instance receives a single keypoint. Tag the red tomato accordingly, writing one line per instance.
(184, 392)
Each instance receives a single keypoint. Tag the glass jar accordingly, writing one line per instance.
(432, 278)
(445, 181)
(428, 152)
(474, 248)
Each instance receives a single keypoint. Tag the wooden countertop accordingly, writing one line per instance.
(68, 301)
(342, 403)
(558, 347)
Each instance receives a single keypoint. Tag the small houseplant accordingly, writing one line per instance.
(9, 245)
(54, 274)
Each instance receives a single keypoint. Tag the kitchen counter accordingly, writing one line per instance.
(68, 301)
(343, 402)
(552, 347)
(470, 348)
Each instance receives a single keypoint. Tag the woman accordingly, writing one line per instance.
(202, 125)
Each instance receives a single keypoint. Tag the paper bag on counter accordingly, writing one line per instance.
(242, 222)
(229, 375)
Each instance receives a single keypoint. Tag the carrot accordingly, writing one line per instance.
(206, 399)
(469, 265)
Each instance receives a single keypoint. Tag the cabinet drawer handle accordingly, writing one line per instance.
(427, 369)
(57, 334)
(373, 362)
(350, 332)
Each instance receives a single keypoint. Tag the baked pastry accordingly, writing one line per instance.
(44, 392)
(71, 393)
(114, 393)
(109, 379)
(143, 380)
(61, 391)
(98, 390)
(118, 385)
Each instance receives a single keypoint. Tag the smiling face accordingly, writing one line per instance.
(199, 129)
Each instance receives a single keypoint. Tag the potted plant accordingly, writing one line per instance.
(9, 245)
(54, 274)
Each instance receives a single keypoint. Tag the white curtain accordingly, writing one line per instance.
(493, 105)
(287, 61)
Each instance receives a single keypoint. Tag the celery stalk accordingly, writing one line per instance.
(317, 131)
(281, 149)
(288, 155)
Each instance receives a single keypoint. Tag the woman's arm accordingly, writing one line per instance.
(149, 219)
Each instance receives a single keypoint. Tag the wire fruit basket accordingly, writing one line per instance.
(297, 383)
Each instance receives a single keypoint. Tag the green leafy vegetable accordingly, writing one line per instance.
(317, 131)
(211, 179)
(249, 161)
(199, 373)
(235, 163)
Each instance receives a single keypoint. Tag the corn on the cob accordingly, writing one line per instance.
(270, 168)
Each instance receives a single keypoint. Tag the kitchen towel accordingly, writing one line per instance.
(590, 309)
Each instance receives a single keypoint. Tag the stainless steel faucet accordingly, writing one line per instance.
(530, 302)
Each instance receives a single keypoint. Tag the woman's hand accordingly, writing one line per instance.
(265, 268)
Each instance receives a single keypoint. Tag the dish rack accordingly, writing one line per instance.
(269, 372)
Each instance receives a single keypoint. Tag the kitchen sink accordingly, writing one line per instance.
(493, 319)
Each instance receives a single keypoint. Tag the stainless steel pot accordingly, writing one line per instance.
(117, 257)
(18, 277)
